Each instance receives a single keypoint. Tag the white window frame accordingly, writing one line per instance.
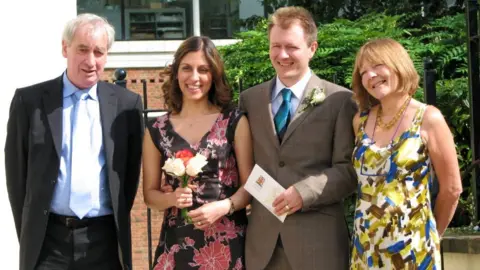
(149, 53)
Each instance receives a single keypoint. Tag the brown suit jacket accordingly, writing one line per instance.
(314, 157)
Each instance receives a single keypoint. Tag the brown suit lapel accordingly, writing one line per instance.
(300, 113)
(266, 112)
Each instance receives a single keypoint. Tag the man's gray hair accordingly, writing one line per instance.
(89, 19)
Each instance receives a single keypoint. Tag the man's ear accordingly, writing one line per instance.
(313, 48)
(64, 48)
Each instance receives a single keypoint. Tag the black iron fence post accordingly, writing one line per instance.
(429, 87)
(119, 77)
(430, 95)
(146, 119)
(149, 212)
(472, 10)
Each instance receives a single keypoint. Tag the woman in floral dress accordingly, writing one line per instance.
(200, 121)
(399, 143)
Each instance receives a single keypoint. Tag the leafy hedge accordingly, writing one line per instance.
(444, 40)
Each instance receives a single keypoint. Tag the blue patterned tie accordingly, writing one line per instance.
(282, 118)
(80, 180)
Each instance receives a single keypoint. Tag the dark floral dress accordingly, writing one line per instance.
(221, 246)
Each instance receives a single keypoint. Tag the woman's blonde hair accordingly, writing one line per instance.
(388, 52)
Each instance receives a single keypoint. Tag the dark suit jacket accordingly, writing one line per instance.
(314, 157)
(32, 159)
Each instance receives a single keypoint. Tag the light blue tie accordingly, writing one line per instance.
(282, 118)
(81, 190)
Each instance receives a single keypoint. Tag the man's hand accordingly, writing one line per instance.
(288, 202)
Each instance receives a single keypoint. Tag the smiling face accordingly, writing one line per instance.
(379, 80)
(382, 67)
(86, 55)
(290, 53)
(194, 76)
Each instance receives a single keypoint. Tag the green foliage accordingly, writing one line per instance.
(442, 39)
(455, 92)
(453, 101)
(248, 61)
(322, 11)
(340, 40)
(327, 10)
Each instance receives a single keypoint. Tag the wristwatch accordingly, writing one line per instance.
(232, 207)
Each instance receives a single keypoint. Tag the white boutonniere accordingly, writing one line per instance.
(316, 96)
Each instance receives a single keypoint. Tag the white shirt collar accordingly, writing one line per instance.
(297, 89)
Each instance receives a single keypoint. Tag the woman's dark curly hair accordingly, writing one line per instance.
(220, 93)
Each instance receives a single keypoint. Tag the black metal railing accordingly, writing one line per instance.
(430, 97)
(120, 79)
(429, 78)
(472, 10)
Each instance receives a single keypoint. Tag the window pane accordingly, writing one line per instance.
(223, 18)
(144, 19)
(158, 19)
(109, 9)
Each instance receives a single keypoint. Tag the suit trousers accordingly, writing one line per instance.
(79, 244)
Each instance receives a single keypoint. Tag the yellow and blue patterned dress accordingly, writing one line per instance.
(394, 226)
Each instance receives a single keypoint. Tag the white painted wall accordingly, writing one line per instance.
(30, 52)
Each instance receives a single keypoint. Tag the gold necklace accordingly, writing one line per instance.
(391, 123)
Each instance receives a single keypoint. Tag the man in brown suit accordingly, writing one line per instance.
(303, 137)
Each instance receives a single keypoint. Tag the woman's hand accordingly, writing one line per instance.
(207, 214)
(183, 197)
(166, 189)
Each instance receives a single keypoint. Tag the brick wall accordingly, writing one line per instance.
(139, 211)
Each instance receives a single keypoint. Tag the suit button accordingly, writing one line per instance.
(45, 212)
(281, 164)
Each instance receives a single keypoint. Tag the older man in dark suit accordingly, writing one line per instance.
(72, 159)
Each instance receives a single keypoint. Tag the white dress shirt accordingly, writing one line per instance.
(101, 196)
(297, 93)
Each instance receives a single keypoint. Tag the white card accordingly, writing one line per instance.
(264, 188)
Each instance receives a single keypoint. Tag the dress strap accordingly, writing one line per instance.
(363, 120)
(234, 116)
(418, 119)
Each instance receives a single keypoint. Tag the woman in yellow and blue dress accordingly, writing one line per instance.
(400, 143)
